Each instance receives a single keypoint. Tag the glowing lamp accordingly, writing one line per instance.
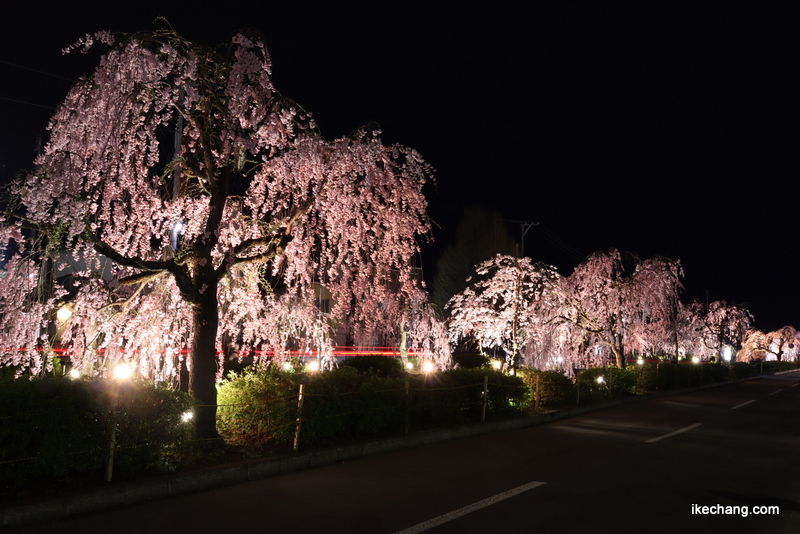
(427, 367)
(600, 380)
(496, 364)
(726, 353)
(313, 366)
(63, 314)
(187, 416)
(123, 371)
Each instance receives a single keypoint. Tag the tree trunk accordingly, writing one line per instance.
(203, 360)
(404, 347)
(619, 354)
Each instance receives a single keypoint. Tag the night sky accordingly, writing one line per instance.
(656, 128)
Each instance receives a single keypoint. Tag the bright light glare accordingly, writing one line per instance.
(695, 359)
(187, 416)
(287, 366)
(560, 360)
(427, 367)
(496, 364)
(409, 365)
(63, 314)
(726, 353)
(123, 371)
(640, 361)
(74, 374)
(313, 366)
(600, 379)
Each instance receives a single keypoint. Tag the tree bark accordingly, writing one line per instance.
(203, 363)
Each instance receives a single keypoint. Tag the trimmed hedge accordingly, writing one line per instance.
(58, 428)
(380, 365)
(551, 388)
(260, 407)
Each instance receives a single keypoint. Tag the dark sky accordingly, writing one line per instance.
(657, 128)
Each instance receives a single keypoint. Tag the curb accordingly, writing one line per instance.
(126, 494)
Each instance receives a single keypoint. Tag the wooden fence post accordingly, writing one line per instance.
(111, 446)
(299, 417)
(485, 396)
(408, 404)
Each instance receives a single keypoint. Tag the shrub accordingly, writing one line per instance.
(343, 405)
(605, 382)
(151, 434)
(552, 388)
(49, 428)
(456, 397)
(380, 365)
(742, 370)
(60, 428)
(470, 360)
(258, 407)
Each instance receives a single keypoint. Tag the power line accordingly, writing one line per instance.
(37, 71)
(26, 103)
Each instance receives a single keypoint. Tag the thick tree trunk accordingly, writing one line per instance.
(404, 347)
(619, 354)
(203, 360)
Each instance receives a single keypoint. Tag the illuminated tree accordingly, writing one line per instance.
(782, 344)
(715, 326)
(503, 306)
(622, 304)
(196, 204)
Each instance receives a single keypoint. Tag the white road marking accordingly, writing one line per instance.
(794, 385)
(742, 404)
(436, 521)
(653, 440)
(774, 392)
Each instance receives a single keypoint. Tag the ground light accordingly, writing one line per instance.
(313, 366)
(695, 359)
(187, 416)
(63, 314)
(427, 367)
(123, 371)
(600, 380)
(496, 364)
(640, 361)
(726, 354)
(74, 374)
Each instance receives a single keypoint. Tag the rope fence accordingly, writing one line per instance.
(308, 412)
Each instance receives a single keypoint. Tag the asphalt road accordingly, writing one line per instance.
(706, 461)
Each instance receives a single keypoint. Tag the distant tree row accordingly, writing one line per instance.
(613, 307)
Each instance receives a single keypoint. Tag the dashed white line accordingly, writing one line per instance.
(774, 392)
(684, 429)
(436, 521)
(742, 404)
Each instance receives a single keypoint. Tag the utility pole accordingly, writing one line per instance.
(524, 226)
